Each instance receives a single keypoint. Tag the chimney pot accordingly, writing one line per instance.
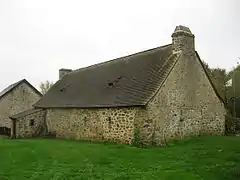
(63, 72)
(183, 40)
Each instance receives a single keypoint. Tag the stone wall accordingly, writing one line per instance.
(16, 101)
(31, 125)
(186, 105)
(183, 43)
(103, 124)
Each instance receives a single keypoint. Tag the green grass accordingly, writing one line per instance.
(213, 158)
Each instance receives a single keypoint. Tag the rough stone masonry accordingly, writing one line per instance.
(16, 98)
(175, 98)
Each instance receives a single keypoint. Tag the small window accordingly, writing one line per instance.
(109, 122)
(31, 122)
(181, 115)
(85, 120)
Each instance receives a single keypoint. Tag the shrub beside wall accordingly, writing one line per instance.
(231, 124)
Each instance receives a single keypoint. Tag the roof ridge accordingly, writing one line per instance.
(90, 87)
(115, 59)
(14, 85)
(10, 87)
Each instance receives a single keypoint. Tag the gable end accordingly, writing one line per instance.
(172, 65)
(15, 85)
(208, 76)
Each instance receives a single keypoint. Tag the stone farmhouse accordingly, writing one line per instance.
(16, 98)
(157, 95)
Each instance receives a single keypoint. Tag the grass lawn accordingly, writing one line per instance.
(213, 158)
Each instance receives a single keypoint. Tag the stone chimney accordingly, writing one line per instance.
(183, 40)
(63, 72)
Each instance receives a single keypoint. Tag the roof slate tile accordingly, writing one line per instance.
(126, 81)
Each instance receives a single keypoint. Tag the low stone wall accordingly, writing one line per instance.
(31, 125)
(117, 124)
(103, 124)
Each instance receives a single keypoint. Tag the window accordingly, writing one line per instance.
(31, 122)
(85, 120)
(181, 115)
(109, 122)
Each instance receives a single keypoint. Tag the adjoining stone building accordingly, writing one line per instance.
(29, 123)
(16, 98)
(163, 93)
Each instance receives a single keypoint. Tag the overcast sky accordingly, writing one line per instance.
(38, 37)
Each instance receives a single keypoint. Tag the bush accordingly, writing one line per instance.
(230, 125)
(137, 140)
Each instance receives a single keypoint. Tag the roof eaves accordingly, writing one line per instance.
(25, 113)
(16, 84)
(90, 107)
(8, 89)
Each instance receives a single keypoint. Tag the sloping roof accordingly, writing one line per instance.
(25, 113)
(126, 81)
(14, 85)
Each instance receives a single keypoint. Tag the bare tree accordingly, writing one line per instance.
(45, 86)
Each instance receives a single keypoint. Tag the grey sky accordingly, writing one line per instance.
(39, 37)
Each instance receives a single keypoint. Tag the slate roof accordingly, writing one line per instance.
(25, 113)
(125, 81)
(14, 85)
